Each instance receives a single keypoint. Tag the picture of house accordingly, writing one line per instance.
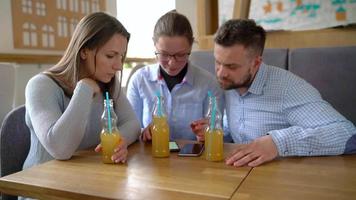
(48, 24)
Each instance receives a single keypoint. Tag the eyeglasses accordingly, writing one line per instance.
(178, 56)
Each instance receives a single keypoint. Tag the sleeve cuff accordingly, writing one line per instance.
(280, 142)
(83, 88)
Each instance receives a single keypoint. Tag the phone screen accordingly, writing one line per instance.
(173, 146)
(191, 150)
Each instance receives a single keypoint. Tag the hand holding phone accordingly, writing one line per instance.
(191, 150)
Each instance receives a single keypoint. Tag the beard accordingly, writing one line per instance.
(228, 84)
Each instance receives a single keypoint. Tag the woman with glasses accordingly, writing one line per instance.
(183, 86)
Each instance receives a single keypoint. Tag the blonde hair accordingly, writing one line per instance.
(92, 32)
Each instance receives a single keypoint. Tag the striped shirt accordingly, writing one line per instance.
(289, 109)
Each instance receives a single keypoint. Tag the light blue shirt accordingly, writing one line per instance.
(188, 100)
(289, 109)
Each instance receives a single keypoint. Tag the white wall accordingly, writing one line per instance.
(23, 73)
(111, 7)
(6, 24)
(7, 77)
(189, 9)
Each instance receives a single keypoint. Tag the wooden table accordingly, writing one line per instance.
(316, 178)
(143, 177)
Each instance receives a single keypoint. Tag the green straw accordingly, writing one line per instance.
(210, 98)
(210, 94)
(109, 113)
(213, 113)
(159, 106)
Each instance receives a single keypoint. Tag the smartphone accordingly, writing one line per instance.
(173, 146)
(191, 150)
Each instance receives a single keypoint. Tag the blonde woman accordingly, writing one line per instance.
(64, 104)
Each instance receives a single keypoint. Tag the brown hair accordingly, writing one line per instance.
(173, 24)
(93, 31)
(242, 31)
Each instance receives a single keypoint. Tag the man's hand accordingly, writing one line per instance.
(198, 127)
(259, 151)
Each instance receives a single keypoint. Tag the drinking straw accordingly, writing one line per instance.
(109, 113)
(210, 94)
(159, 104)
(213, 113)
(212, 123)
(210, 99)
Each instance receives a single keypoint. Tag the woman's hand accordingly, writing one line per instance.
(198, 128)
(120, 152)
(146, 134)
(93, 84)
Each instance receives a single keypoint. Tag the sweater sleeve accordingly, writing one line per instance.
(59, 131)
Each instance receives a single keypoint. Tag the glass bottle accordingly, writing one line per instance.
(160, 130)
(214, 142)
(110, 135)
(207, 114)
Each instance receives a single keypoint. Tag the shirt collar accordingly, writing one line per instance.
(259, 81)
(155, 75)
(189, 76)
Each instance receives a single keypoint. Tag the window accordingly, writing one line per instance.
(62, 26)
(27, 6)
(62, 4)
(72, 25)
(29, 35)
(140, 21)
(73, 5)
(40, 9)
(85, 7)
(95, 6)
(47, 36)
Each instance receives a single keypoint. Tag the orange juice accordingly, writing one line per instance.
(214, 150)
(109, 141)
(160, 137)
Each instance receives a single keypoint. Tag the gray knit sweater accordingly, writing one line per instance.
(60, 125)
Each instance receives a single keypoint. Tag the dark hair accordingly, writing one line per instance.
(244, 32)
(93, 31)
(173, 24)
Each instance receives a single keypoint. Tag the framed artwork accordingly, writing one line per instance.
(302, 14)
(48, 24)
